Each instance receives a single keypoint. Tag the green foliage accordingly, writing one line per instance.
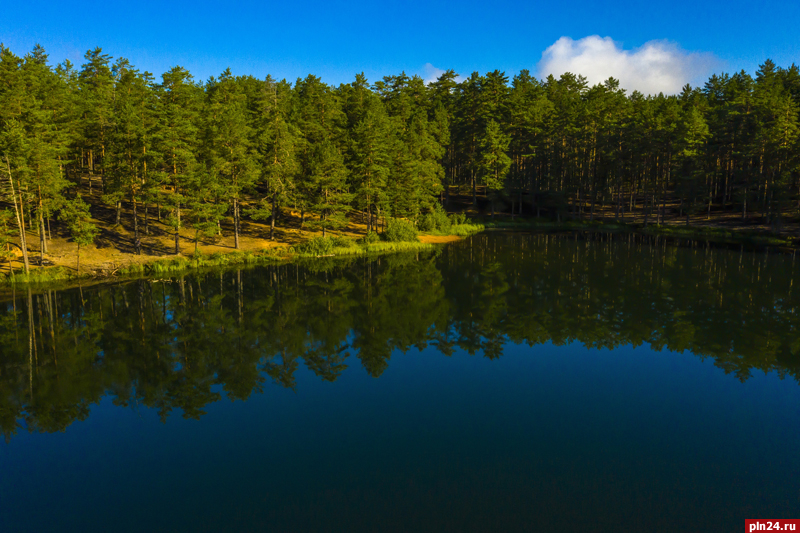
(399, 230)
(494, 162)
(456, 219)
(326, 185)
(76, 214)
(393, 148)
(6, 232)
(343, 242)
(465, 230)
(370, 238)
(200, 260)
(83, 231)
(42, 276)
(436, 221)
(318, 246)
(397, 246)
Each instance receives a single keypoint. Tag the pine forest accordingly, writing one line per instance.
(200, 158)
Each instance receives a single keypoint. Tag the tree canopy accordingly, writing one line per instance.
(238, 147)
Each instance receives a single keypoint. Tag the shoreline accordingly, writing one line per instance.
(61, 276)
(705, 233)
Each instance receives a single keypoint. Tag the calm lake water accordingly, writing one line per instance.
(508, 382)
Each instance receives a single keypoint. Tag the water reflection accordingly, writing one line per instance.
(178, 344)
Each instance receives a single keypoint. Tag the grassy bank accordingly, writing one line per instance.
(49, 275)
(313, 248)
(720, 235)
(200, 260)
(459, 230)
(368, 249)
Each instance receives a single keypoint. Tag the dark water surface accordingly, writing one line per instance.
(509, 382)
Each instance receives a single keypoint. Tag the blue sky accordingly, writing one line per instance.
(334, 40)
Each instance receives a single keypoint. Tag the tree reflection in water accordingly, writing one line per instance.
(175, 343)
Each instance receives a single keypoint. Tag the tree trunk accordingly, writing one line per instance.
(474, 192)
(177, 232)
(272, 220)
(135, 218)
(236, 223)
(42, 248)
(91, 171)
(20, 212)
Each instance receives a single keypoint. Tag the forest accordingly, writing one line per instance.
(179, 344)
(205, 155)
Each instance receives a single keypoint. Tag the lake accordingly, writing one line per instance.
(507, 382)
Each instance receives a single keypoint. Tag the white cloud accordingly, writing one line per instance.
(430, 74)
(656, 66)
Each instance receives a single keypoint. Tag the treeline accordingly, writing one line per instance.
(731, 145)
(237, 146)
(233, 146)
(172, 344)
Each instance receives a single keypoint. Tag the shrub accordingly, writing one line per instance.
(343, 242)
(316, 246)
(435, 221)
(457, 219)
(398, 230)
(370, 238)
(427, 223)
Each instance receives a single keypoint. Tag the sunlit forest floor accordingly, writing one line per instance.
(114, 248)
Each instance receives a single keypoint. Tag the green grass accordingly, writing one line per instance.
(199, 260)
(38, 276)
(460, 230)
(315, 248)
(366, 249)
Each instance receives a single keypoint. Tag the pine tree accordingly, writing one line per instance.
(180, 102)
(33, 142)
(371, 162)
(275, 143)
(83, 231)
(96, 83)
(327, 183)
(318, 116)
(494, 161)
(228, 143)
(131, 141)
(693, 134)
